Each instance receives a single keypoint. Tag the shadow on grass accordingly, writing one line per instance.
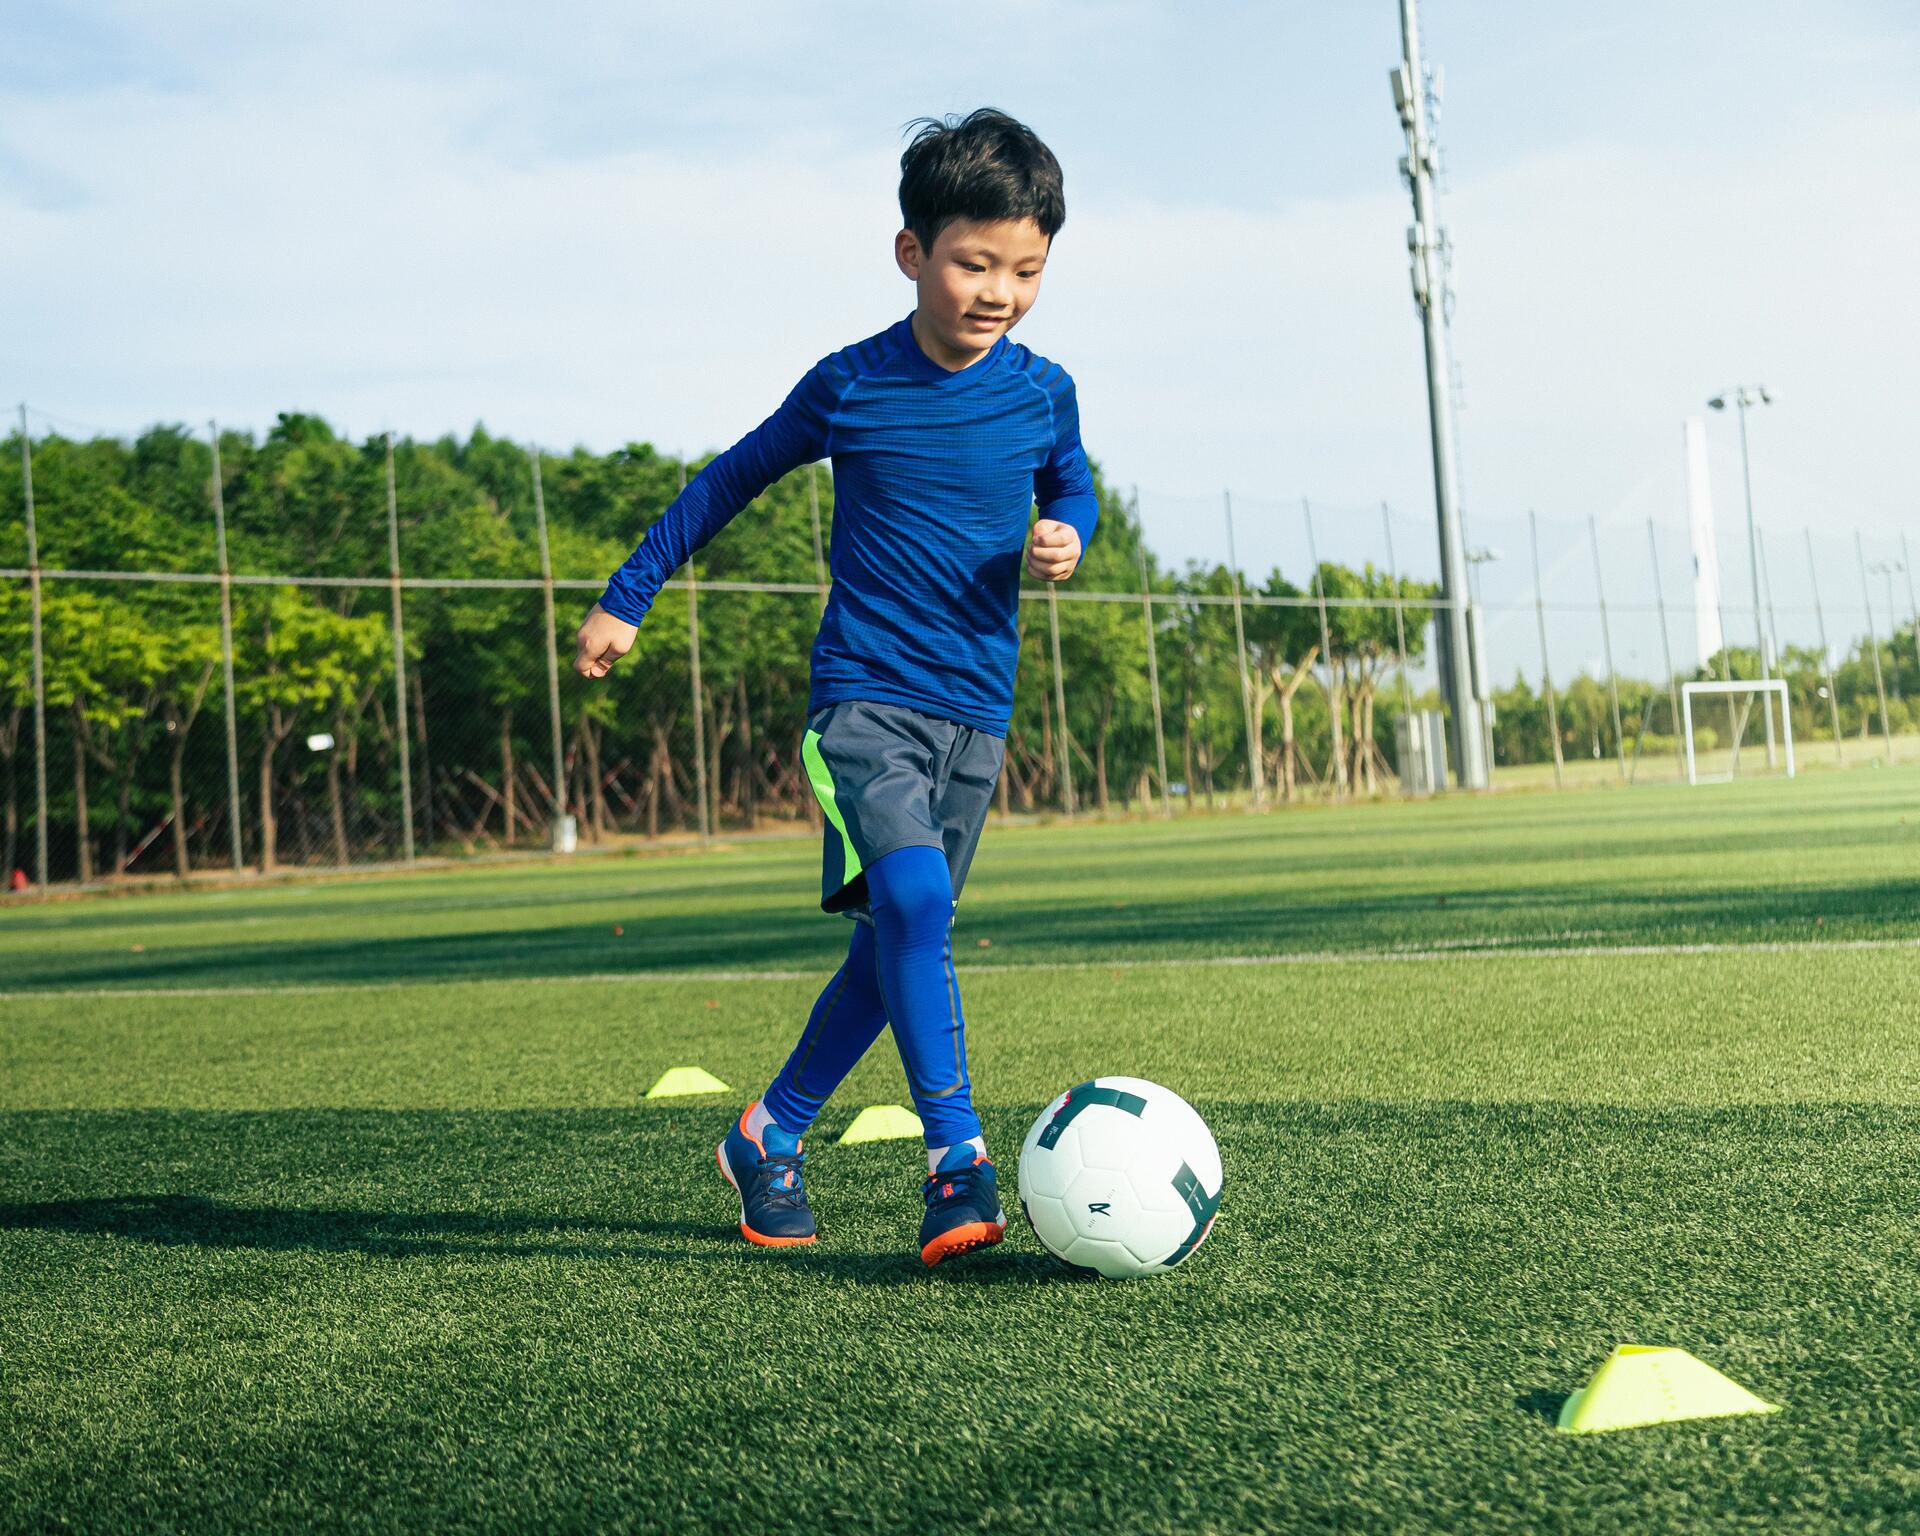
(779, 936)
(195, 1221)
(1542, 1404)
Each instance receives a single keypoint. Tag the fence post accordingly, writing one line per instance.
(226, 648)
(1666, 647)
(39, 663)
(1873, 644)
(1060, 703)
(399, 662)
(1326, 652)
(1153, 665)
(819, 551)
(1256, 768)
(699, 693)
(1546, 668)
(1606, 641)
(553, 658)
(1826, 655)
(1399, 626)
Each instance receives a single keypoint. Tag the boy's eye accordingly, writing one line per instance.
(973, 266)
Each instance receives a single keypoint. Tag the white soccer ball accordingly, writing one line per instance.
(1120, 1176)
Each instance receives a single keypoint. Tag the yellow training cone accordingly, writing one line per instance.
(1640, 1384)
(676, 1081)
(884, 1122)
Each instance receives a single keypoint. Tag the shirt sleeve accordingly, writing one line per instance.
(1063, 486)
(793, 435)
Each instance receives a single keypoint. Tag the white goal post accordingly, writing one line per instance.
(1772, 685)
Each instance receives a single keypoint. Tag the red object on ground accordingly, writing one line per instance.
(19, 882)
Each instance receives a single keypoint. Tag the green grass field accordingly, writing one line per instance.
(336, 1206)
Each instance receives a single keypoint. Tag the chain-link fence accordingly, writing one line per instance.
(332, 654)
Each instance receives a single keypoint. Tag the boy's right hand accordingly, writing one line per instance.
(603, 640)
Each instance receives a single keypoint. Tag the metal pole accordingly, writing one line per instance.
(1427, 244)
(1399, 617)
(400, 661)
(1326, 651)
(1753, 563)
(1546, 669)
(39, 663)
(1873, 644)
(1153, 666)
(1666, 648)
(1606, 641)
(1826, 655)
(819, 551)
(1060, 705)
(1766, 585)
(553, 655)
(226, 649)
(699, 693)
(1256, 775)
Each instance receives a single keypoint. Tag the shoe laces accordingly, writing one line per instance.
(788, 1190)
(962, 1182)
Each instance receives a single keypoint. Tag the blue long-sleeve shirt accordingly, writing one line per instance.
(935, 475)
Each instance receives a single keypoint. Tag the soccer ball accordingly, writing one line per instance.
(1121, 1177)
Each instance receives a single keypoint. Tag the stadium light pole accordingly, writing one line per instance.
(1427, 245)
(1742, 396)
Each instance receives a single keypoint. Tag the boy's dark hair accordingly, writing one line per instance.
(985, 166)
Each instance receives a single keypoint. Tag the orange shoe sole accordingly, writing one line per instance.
(974, 1235)
(746, 1231)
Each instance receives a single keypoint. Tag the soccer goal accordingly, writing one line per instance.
(1746, 691)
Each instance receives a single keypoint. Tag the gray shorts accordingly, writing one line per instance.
(888, 777)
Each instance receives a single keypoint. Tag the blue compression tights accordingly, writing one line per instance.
(900, 968)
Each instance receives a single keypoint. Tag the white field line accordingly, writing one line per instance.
(1430, 955)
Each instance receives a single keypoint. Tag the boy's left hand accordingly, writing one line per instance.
(1054, 551)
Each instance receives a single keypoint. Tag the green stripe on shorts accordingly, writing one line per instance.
(821, 779)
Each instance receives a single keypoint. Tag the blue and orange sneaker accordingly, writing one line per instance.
(765, 1171)
(963, 1206)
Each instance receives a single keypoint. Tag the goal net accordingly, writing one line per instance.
(1716, 749)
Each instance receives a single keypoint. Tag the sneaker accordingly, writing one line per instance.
(765, 1172)
(963, 1206)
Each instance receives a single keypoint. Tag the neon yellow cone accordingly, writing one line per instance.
(884, 1122)
(677, 1081)
(1641, 1384)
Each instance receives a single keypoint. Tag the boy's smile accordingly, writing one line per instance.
(974, 285)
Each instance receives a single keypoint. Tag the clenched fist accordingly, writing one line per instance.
(603, 640)
(1054, 552)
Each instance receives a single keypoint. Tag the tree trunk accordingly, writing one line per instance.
(751, 801)
(336, 804)
(1186, 731)
(269, 744)
(1335, 701)
(10, 738)
(596, 806)
(426, 762)
(510, 802)
(1284, 689)
(177, 799)
(82, 833)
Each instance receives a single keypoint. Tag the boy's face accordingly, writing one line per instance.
(975, 284)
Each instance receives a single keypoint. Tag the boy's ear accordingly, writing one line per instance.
(907, 254)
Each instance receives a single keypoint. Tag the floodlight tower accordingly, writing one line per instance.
(1743, 396)
(1427, 244)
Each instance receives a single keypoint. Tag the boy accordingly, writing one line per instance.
(943, 435)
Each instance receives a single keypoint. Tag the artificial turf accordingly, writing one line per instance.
(379, 1244)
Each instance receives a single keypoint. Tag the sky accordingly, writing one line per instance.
(599, 224)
